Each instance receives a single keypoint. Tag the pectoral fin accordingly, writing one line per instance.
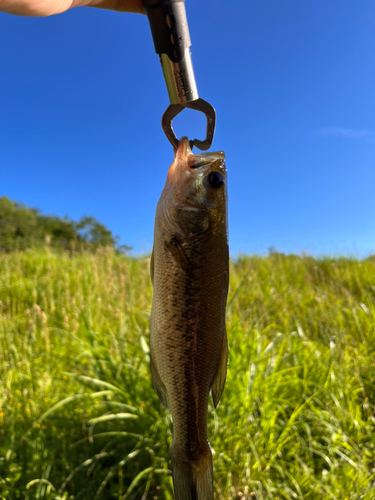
(218, 383)
(158, 384)
(178, 252)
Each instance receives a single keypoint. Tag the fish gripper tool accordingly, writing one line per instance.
(170, 33)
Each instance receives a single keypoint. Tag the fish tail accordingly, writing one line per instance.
(192, 478)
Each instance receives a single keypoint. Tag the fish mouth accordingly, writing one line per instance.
(185, 160)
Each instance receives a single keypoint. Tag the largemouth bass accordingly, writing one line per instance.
(190, 271)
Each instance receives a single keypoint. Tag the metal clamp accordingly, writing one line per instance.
(200, 105)
(171, 37)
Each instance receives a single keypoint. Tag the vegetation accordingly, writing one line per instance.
(79, 418)
(22, 227)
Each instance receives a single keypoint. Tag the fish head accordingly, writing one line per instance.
(194, 199)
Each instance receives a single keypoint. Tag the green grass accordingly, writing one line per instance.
(79, 418)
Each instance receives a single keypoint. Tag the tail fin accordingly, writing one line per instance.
(192, 479)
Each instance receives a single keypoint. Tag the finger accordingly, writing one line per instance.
(134, 6)
(34, 7)
(43, 8)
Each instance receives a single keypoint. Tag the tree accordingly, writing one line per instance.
(22, 227)
(92, 231)
(18, 225)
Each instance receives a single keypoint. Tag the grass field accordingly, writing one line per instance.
(79, 418)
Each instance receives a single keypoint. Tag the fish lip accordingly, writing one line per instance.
(207, 164)
(203, 160)
(196, 161)
(180, 161)
(183, 150)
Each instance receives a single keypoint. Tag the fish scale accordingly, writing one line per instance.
(190, 271)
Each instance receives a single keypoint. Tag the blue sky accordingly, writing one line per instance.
(82, 95)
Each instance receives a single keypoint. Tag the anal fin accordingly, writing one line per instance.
(218, 383)
(152, 267)
(158, 384)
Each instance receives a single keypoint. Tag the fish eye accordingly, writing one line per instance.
(216, 179)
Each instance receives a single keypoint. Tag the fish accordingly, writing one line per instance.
(188, 340)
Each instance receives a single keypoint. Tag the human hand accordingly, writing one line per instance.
(50, 7)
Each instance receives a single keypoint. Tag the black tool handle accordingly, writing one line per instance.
(169, 27)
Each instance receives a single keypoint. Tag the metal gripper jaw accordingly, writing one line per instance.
(200, 105)
(171, 37)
